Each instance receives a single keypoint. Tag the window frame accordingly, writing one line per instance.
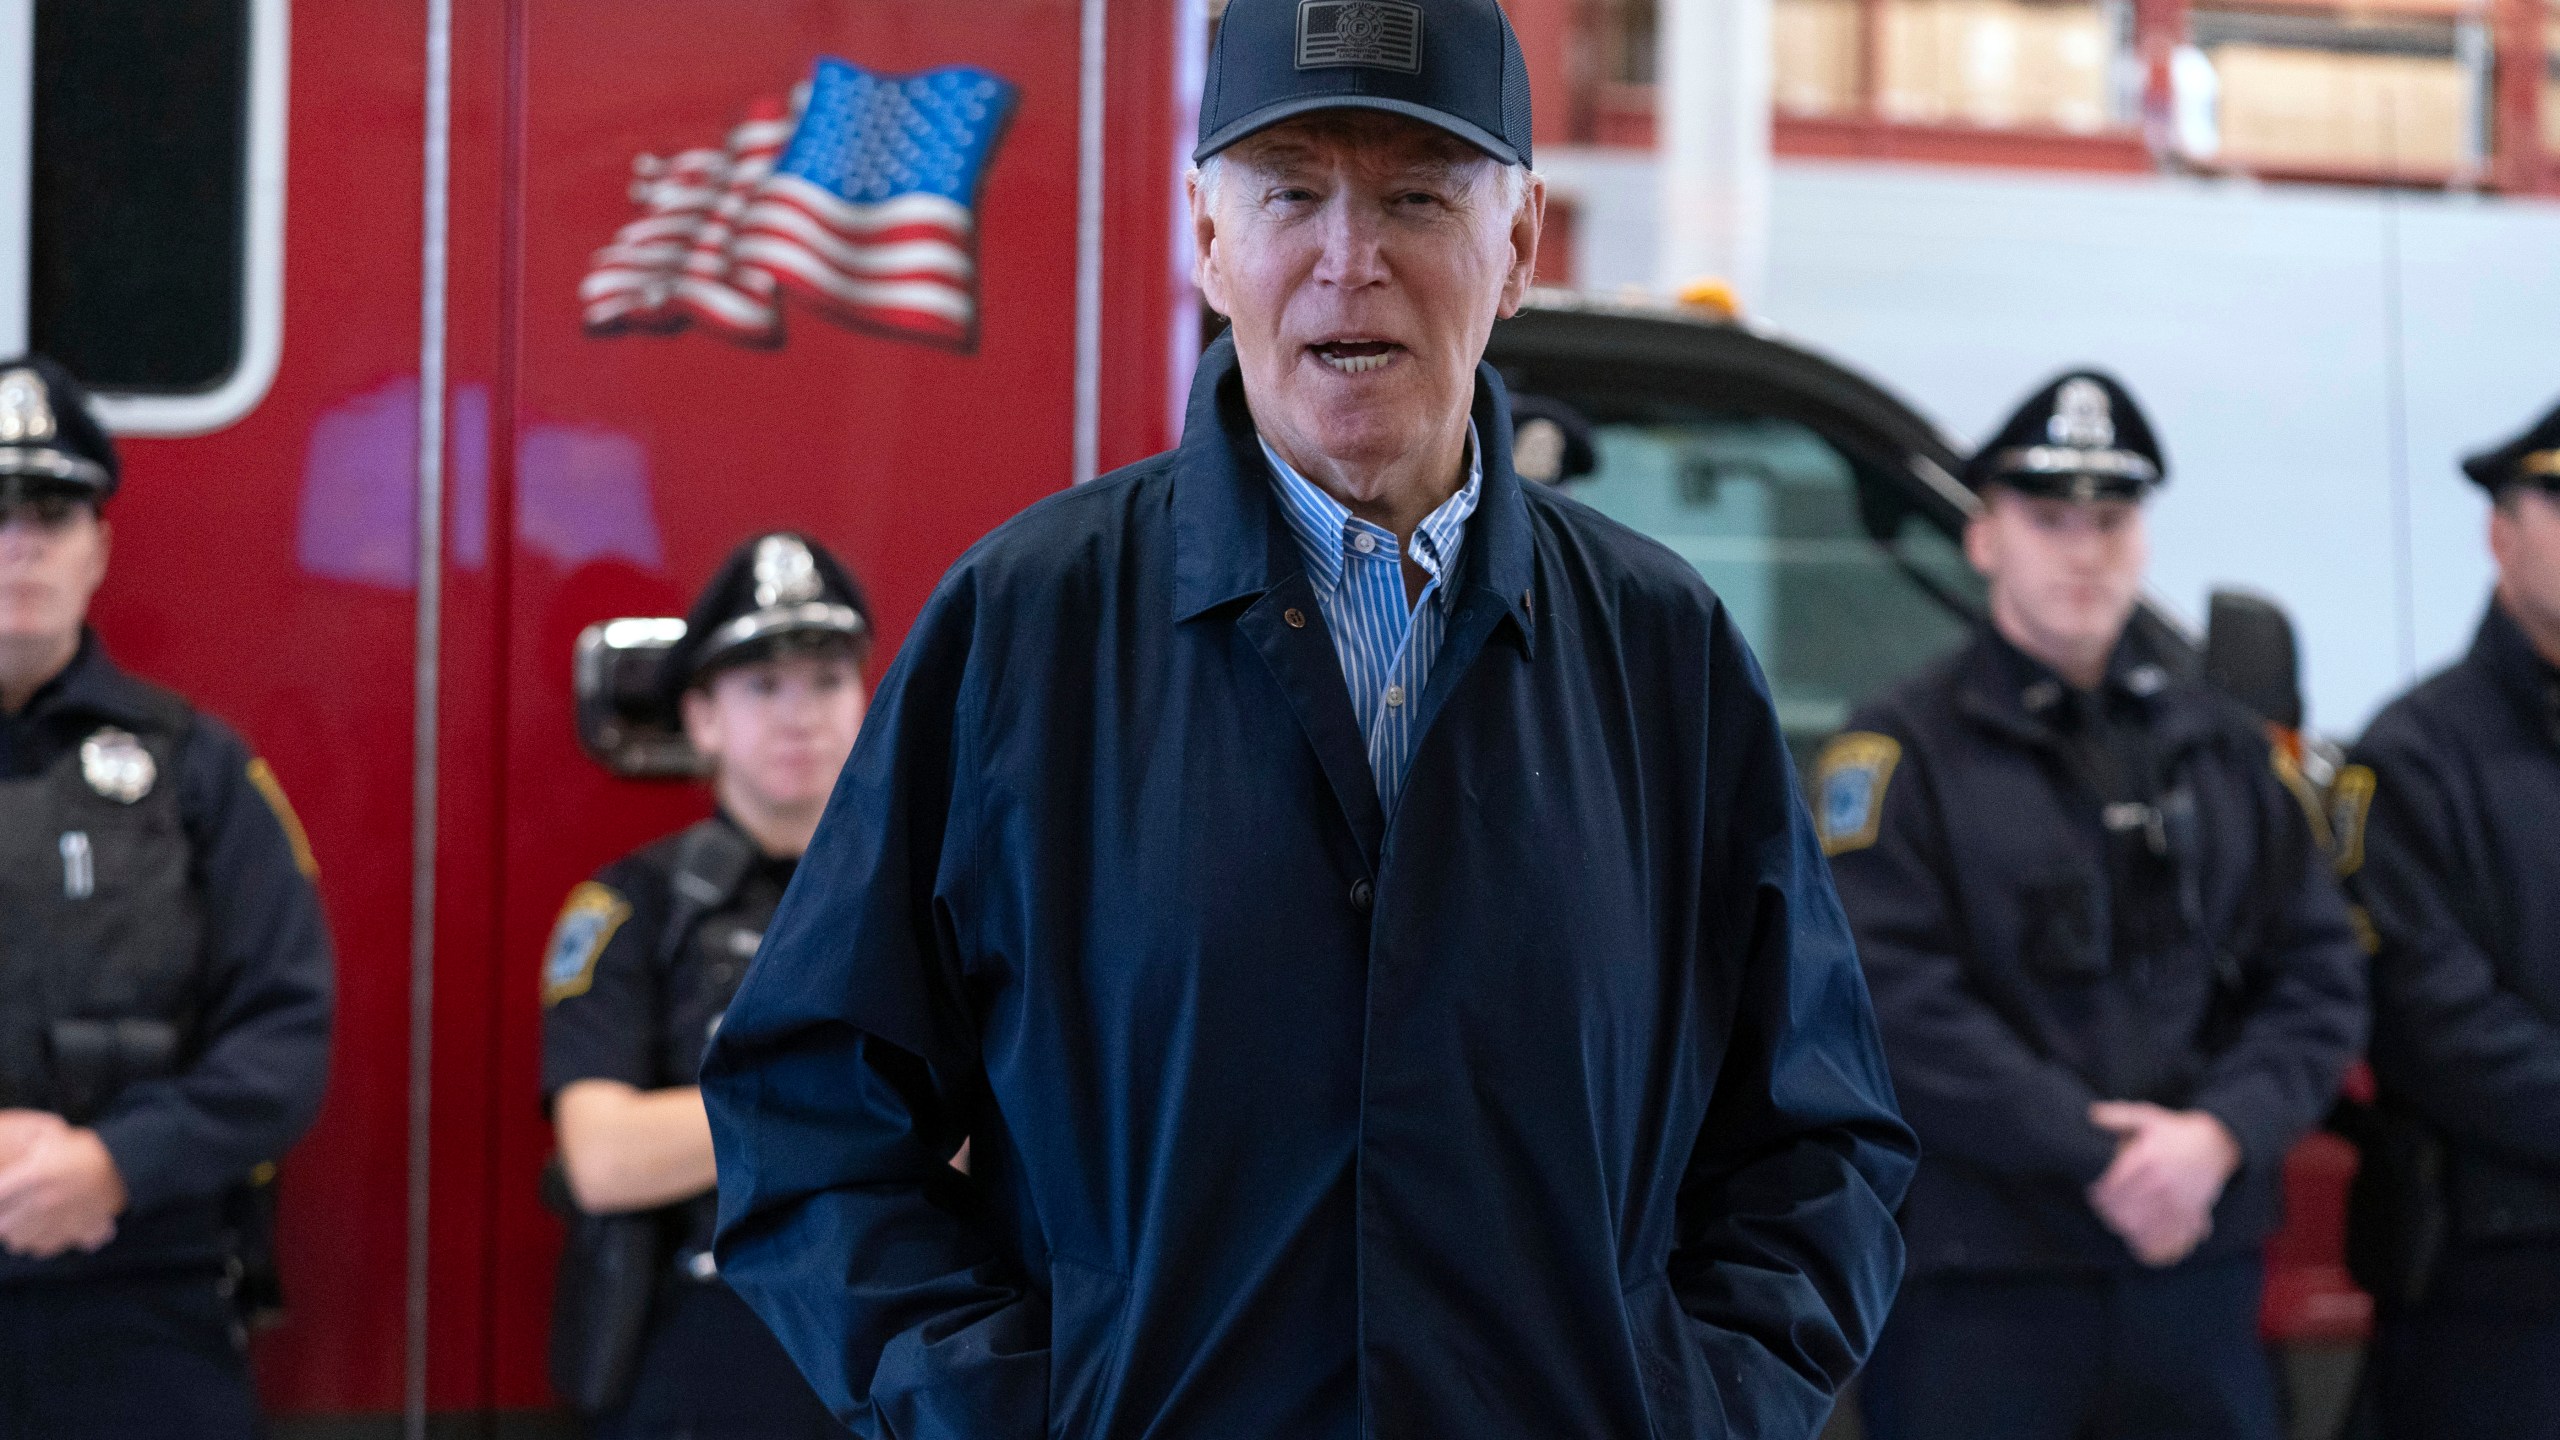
(262, 255)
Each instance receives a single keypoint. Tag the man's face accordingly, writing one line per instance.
(53, 554)
(779, 729)
(1363, 259)
(2524, 536)
(2066, 573)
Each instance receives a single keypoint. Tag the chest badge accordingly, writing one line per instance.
(116, 766)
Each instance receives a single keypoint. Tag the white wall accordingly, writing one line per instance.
(2250, 320)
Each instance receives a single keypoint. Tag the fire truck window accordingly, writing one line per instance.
(1839, 590)
(135, 257)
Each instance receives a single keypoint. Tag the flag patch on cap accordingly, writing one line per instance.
(1382, 34)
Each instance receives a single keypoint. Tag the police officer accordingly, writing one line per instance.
(2115, 978)
(164, 982)
(644, 958)
(2448, 820)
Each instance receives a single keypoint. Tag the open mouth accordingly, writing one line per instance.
(1356, 357)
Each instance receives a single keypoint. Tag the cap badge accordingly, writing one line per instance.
(786, 573)
(26, 411)
(116, 766)
(1382, 34)
(2082, 417)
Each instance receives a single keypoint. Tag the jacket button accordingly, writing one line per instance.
(1296, 617)
(1363, 895)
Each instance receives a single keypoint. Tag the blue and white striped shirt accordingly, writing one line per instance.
(1385, 648)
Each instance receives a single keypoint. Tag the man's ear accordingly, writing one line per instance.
(1526, 226)
(701, 720)
(1981, 547)
(1204, 251)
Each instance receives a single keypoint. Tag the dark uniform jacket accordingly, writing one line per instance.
(620, 1005)
(252, 1010)
(2450, 822)
(1550, 1104)
(2027, 961)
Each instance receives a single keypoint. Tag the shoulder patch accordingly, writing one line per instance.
(2367, 936)
(2305, 794)
(578, 938)
(271, 790)
(1849, 780)
(2350, 801)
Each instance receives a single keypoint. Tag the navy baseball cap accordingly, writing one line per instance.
(1450, 63)
(50, 440)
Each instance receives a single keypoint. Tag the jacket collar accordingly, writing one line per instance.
(2517, 669)
(92, 685)
(1231, 543)
(2020, 696)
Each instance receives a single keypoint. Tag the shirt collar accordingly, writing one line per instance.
(2017, 688)
(90, 685)
(1231, 545)
(1327, 532)
(2507, 653)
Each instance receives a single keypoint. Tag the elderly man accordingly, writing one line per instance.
(1357, 906)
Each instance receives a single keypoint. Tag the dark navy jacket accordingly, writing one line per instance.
(259, 1060)
(1550, 1105)
(2454, 863)
(1984, 898)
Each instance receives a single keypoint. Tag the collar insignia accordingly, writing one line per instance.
(116, 766)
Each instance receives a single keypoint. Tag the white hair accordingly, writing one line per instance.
(1510, 183)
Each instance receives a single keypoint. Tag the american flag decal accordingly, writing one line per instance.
(1381, 34)
(860, 202)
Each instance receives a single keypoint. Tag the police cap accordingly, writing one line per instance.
(1450, 63)
(50, 440)
(2081, 437)
(1550, 440)
(774, 590)
(2531, 458)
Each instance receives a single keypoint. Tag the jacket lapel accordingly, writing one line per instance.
(1301, 658)
(1497, 565)
(1233, 554)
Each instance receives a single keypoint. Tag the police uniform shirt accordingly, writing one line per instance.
(2447, 820)
(254, 1058)
(614, 1009)
(2061, 898)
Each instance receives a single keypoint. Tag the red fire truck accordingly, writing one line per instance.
(439, 331)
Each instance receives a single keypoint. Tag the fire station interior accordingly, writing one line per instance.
(397, 508)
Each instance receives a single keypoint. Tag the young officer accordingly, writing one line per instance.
(2114, 974)
(2448, 822)
(644, 959)
(164, 983)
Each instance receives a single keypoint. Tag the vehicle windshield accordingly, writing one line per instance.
(1841, 585)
